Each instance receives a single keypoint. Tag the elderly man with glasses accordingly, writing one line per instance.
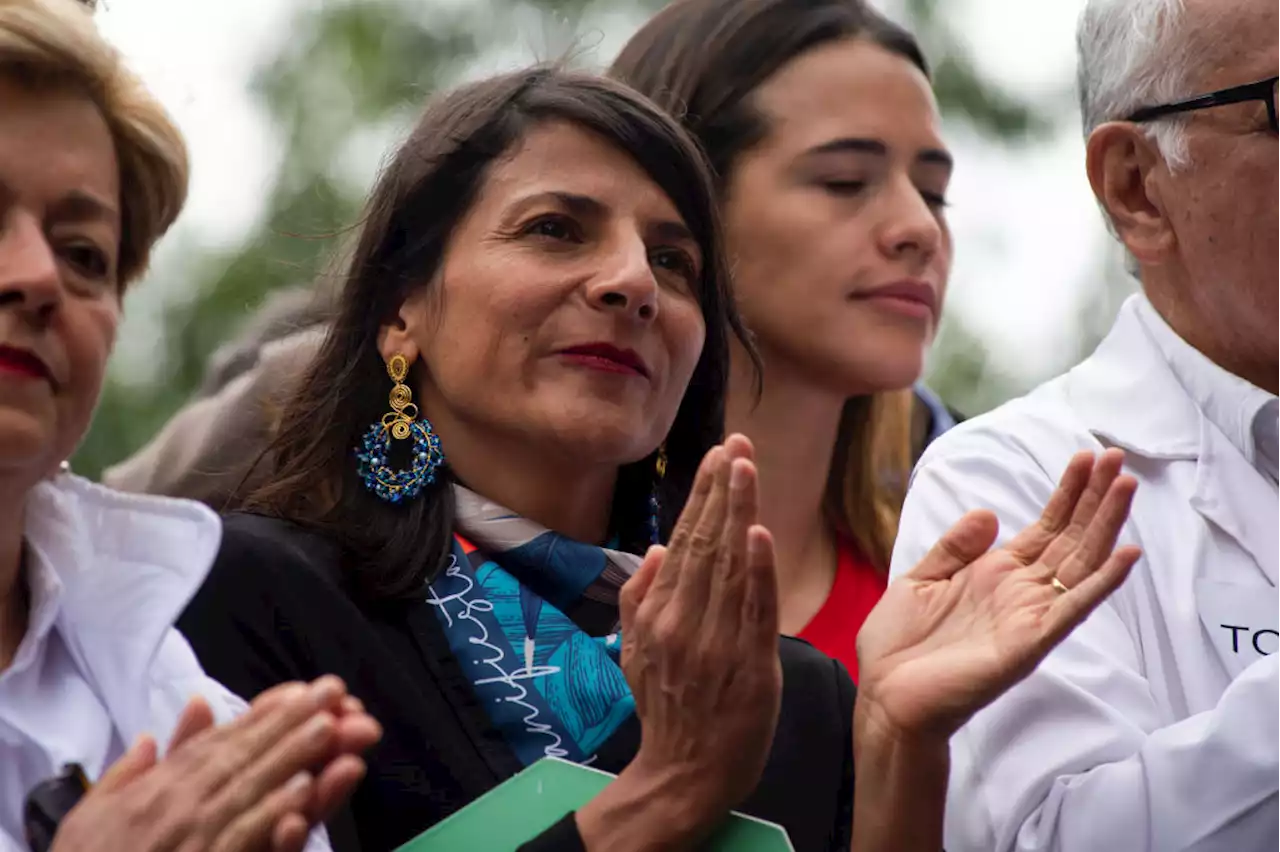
(1154, 725)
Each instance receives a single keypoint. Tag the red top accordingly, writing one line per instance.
(833, 630)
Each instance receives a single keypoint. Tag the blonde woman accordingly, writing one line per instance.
(95, 685)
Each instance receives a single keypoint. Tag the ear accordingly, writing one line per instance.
(406, 333)
(1126, 170)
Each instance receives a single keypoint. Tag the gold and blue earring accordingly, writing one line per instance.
(401, 422)
(655, 508)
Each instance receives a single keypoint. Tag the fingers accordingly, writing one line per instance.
(140, 757)
(729, 579)
(739, 446)
(308, 746)
(290, 834)
(292, 710)
(256, 828)
(212, 759)
(694, 565)
(196, 717)
(338, 780)
(1028, 545)
(1069, 539)
(270, 699)
(967, 540)
(664, 584)
(1074, 606)
(1097, 538)
(760, 598)
(635, 590)
(356, 733)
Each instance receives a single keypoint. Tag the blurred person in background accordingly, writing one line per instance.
(820, 122)
(207, 450)
(94, 682)
(1154, 725)
(520, 394)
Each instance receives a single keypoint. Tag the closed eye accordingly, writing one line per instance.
(935, 199)
(844, 187)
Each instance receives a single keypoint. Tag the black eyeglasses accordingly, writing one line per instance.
(1263, 90)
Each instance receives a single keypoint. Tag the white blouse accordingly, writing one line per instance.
(101, 663)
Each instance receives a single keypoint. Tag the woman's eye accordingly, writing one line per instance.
(88, 260)
(843, 187)
(554, 228)
(676, 261)
(935, 200)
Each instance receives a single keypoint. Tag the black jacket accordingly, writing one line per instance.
(276, 608)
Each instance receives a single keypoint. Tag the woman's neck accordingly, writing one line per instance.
(13, 598)
(794, 428)
(543, 487)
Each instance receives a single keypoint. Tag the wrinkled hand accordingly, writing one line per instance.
(700, 634)
(257, 784)
(964, 625)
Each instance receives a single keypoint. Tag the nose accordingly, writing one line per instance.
(29, 278)
(910, 228)
(626, 283)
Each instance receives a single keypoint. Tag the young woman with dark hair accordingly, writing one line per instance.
(821, 127)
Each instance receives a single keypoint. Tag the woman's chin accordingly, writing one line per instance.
(601, 441)
(25, 440)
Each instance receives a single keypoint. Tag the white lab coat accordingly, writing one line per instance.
(1153, 726)
(127, 565)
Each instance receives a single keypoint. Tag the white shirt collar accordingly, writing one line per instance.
(109, 566)
(1244, 413)
(45, 591)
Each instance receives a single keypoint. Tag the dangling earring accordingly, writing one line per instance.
(400, 423)
(655, 508)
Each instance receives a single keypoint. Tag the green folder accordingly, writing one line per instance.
(518, 810)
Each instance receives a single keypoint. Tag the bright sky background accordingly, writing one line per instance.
(1028, 236)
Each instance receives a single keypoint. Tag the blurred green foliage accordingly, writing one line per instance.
(357, 65)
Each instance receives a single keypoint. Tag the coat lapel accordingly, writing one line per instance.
(1229, 493)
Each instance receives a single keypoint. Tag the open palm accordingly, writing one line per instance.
(966, 624)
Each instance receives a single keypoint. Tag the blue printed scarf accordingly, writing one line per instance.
(513, 600)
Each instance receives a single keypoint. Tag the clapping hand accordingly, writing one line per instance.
(257, 784)
(700, 651)
(964, 625)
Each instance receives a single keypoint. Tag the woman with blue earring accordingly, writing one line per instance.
(543, 254)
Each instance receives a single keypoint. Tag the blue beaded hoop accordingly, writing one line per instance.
(655, 508)
(388, 483)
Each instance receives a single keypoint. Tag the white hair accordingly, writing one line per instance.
(1131, 54)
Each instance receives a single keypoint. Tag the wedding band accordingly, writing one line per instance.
(1058, 586)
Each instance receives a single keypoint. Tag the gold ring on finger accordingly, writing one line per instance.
(1059, 586)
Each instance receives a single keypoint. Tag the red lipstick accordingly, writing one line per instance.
(607, 357)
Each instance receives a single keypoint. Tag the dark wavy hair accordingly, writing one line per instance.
(419, 199)
(702, 60)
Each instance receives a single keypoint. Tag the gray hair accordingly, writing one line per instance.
(1134, 53)
(1131, 54)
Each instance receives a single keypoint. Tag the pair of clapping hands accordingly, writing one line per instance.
(700, 625)
(257, 784)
